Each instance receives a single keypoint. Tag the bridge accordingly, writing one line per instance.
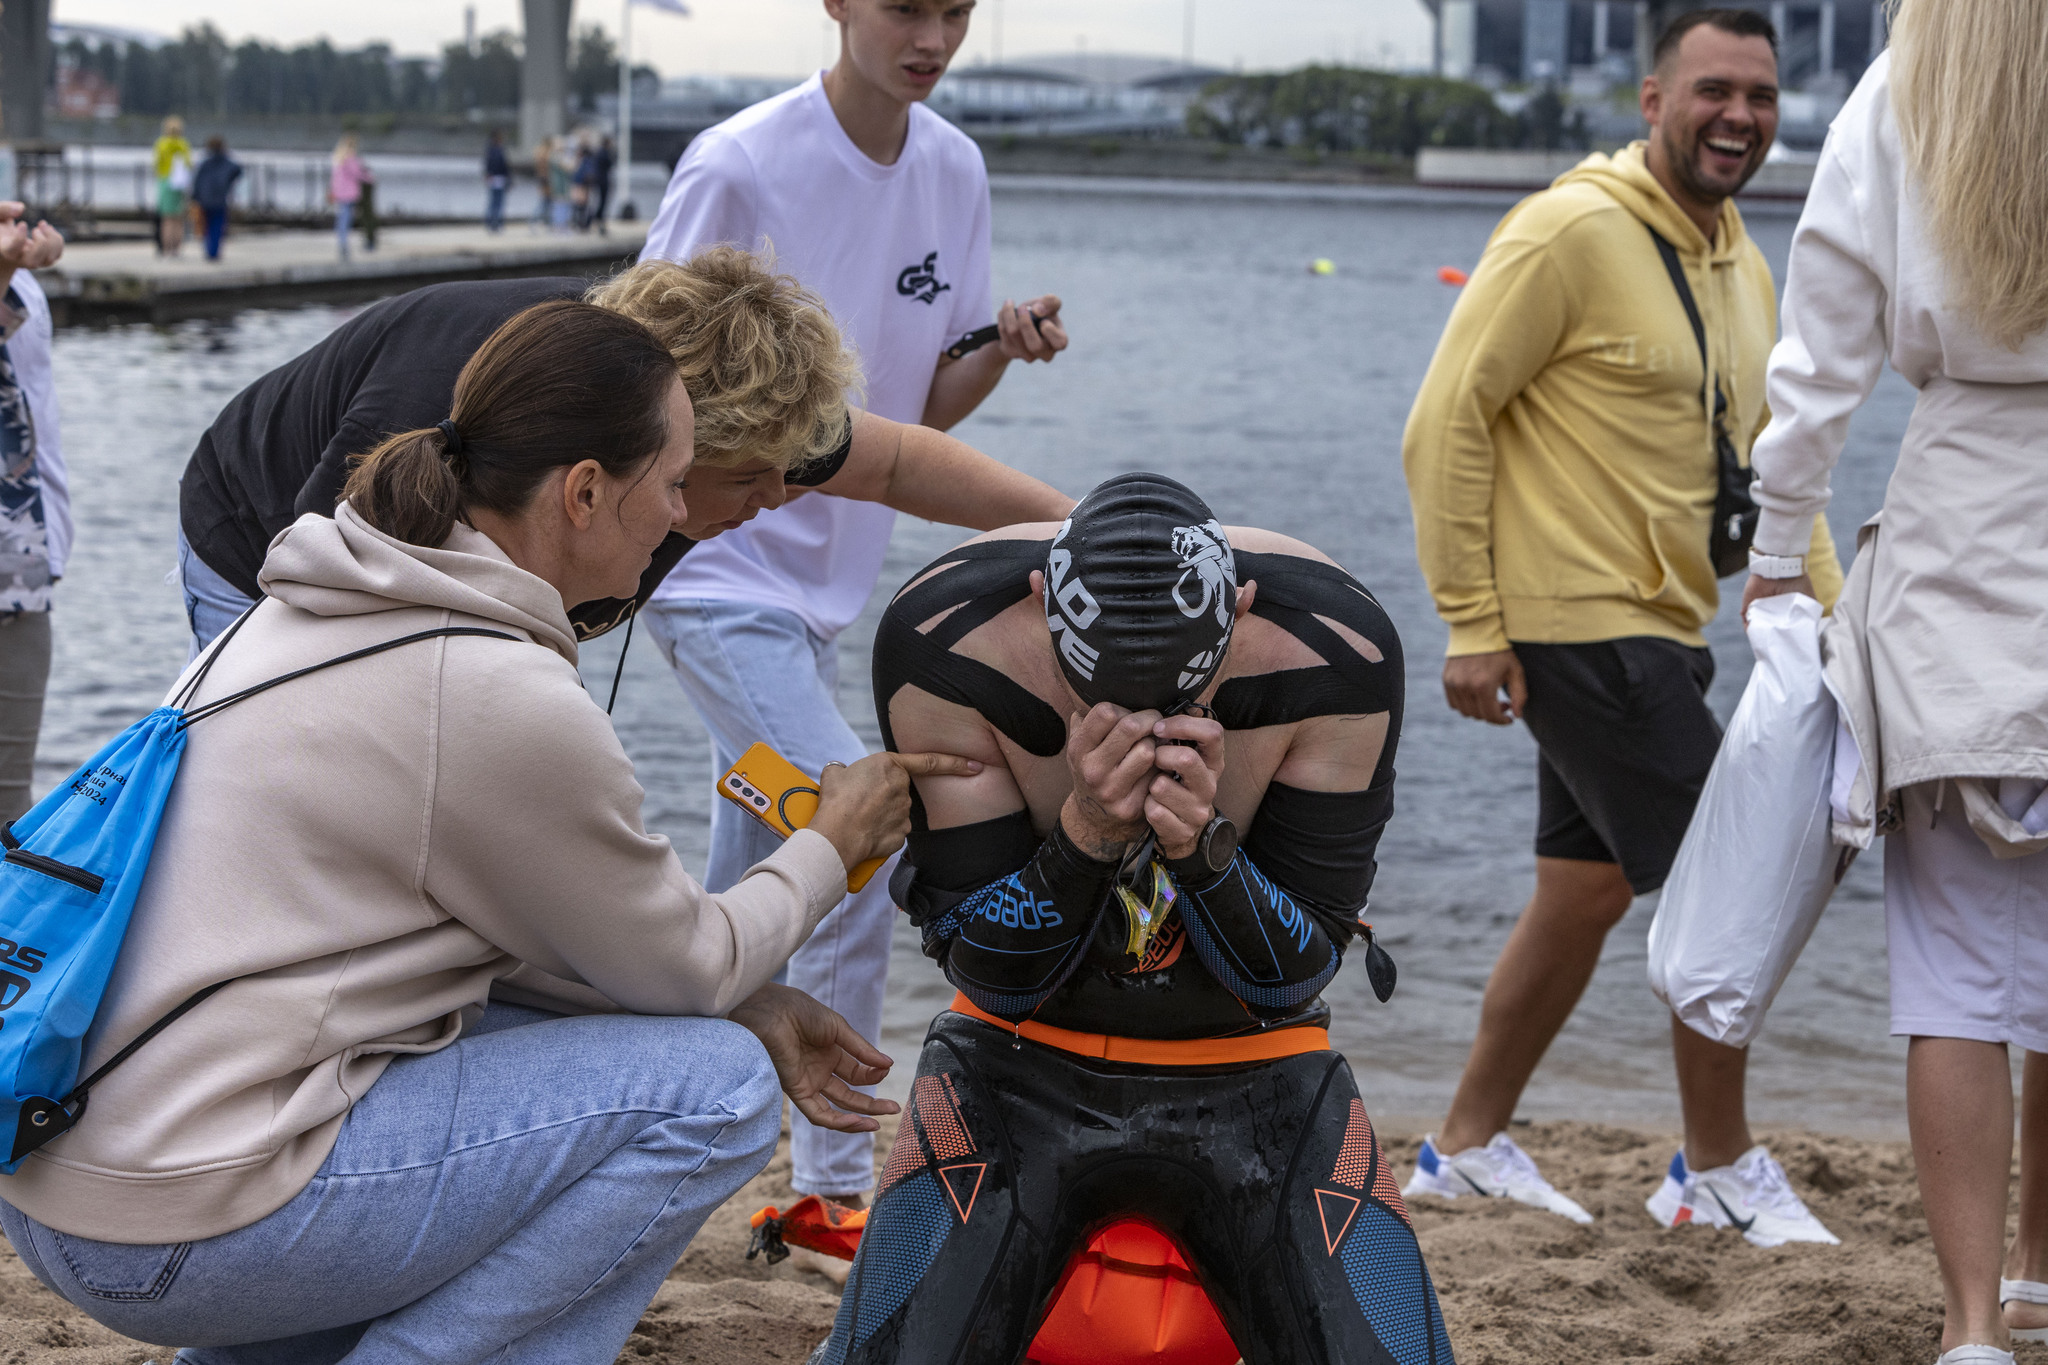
(25, 57)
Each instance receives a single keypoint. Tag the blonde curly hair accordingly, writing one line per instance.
(765, 366)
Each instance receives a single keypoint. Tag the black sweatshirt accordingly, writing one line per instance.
(281, 447)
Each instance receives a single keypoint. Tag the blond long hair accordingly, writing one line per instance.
(1970, 88)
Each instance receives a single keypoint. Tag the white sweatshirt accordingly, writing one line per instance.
(1864, 284)
(1934, 648)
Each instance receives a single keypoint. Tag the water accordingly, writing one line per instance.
(1205, 350)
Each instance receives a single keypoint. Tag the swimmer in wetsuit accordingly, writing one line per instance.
(1139, 1030)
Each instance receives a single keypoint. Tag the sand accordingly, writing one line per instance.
(1518, 1286)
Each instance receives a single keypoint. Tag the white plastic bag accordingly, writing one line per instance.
(1757, 865)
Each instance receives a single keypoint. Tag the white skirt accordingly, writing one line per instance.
(1967, 932)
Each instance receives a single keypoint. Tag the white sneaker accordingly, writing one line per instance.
(1752, 1196)
(1499, 1170)
(1974, 1354)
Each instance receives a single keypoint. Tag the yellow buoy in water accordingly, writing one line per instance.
(1322, 265)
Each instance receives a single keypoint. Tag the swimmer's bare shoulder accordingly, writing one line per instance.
(1254, 539)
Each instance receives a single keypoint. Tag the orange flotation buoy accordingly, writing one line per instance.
(1129, 1298)
(812, 1223)
(1451, 275)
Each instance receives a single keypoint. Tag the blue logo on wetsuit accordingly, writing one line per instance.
(1009, 904)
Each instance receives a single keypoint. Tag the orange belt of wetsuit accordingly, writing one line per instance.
(1252, 1047)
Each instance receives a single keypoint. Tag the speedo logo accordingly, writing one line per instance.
(1016, 908)
(1070, 608)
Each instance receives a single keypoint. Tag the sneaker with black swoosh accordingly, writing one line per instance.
(1499, 1170)
(1753, 1196)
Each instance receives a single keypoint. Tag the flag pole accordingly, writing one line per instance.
(625, 168)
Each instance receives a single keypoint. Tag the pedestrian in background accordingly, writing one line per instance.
(881, 207)
(345, 187)
(213, 187)
(35, 499)
(607, 161)
(584, 193)
(561, 171)
(172, 158)
(497, 179)
(1563, 458)
(1922, 243)
(544, 180)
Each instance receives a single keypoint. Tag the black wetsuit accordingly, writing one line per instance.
(1014, 1152)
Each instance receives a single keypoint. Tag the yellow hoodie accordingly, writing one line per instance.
(1560, 466)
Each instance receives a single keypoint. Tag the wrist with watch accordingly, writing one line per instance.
(1776, 566)
(1215, 846)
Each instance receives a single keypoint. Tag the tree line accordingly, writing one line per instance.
(1348, 109)
(202, 74)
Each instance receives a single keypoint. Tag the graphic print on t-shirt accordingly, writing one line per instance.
(921, 281)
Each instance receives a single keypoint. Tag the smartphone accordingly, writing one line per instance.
(781, 796)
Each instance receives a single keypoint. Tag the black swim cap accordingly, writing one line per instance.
(1140, 593)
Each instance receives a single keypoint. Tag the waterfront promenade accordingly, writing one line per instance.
(128, 281)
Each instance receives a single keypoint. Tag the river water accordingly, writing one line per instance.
(1204, 349)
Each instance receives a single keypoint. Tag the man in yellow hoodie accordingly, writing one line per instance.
(1562, 462)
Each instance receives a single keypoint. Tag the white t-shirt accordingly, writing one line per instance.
(899, 254)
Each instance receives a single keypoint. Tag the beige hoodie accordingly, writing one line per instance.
(364, 852)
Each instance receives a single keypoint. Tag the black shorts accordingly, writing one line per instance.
(1625, 741)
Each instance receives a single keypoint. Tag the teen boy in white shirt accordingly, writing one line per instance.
(881, 208)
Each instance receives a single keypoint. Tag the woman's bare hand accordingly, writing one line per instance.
(1760, 587)
(864, 808)
(818, 1057)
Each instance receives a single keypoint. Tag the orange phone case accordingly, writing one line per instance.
(776, 792)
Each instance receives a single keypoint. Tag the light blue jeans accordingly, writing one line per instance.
(518, 1196)
(759, 674)
(344, 219)
(211, 602)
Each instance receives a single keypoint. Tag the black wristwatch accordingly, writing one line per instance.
(1217, 844)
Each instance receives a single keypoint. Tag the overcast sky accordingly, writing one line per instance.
(776, 37)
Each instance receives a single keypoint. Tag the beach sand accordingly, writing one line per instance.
(1518, 1286)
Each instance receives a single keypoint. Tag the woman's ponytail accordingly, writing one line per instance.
(559, 383)
(406, 489)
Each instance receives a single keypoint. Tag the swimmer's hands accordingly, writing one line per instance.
(1020, 338)
(818, 1058)
(864, 808)
(1182, 795)
(1111, 754)
(1473, 684)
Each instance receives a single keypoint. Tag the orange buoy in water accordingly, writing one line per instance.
(1129, 1298)
(1450, 274)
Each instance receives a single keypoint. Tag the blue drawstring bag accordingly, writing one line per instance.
(69, 875)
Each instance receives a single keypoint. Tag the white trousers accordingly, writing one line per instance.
(759, 674)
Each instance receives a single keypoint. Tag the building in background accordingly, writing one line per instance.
(1587, 44)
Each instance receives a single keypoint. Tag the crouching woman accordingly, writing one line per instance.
(356, 1147)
